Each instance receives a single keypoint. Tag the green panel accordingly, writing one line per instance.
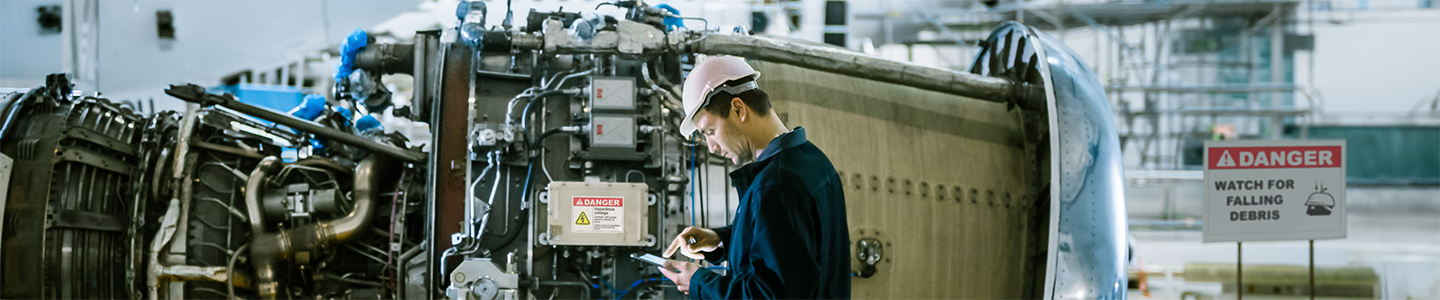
(1390, 155)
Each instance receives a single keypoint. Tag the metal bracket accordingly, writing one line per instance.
(69, 218)
(94, 159)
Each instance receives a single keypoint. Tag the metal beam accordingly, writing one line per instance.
(1190, 89)
(196, 94)
(1237, 112)
(842, 61)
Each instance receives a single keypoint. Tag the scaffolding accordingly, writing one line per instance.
(1182, 72)
(1178, 72)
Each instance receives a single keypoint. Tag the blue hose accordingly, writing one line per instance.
(693, 184)
(633, 285)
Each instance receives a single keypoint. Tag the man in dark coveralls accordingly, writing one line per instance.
(789, 238)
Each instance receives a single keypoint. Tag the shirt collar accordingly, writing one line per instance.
(784, 141)
(743, 176)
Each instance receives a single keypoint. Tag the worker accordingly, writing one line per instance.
(789, 238)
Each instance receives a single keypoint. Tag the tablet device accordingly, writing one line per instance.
(652, 259)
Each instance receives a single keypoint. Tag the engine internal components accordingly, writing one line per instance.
(71, 195)
(297, 192)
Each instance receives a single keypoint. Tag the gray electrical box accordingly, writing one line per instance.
(599, 214)
(612, 93)
(612, 132)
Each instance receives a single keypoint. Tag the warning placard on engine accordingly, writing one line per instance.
(1274, 190)
(597, 214)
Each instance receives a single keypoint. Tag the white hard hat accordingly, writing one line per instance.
(705, 78)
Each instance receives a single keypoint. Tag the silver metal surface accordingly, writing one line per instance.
(480, 277)
(7, 164)
(198, 273)
(182, 145)
(162, 237)
(869, 251)
(1087, 190)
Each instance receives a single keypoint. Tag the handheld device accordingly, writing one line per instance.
(652, 259)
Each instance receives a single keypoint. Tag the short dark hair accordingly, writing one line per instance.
(756, 99)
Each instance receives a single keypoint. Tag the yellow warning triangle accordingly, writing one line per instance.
(582, 220)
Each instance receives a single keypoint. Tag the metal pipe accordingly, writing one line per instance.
(203, 274)
(387, 58)
(327, 164)
(354, 281)
(842, 61)
(268, 249)
(584, 288)
(489, 203)
(182, 146)
(252, 192)
(230, 267)
(168, 225)
(12, 110)
(562, 81)
(404, 266)
(227, 149)
(196, 94)
(266, 273)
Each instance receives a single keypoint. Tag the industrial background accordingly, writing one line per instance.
(1174, 73)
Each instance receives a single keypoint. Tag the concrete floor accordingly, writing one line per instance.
(1393, 230)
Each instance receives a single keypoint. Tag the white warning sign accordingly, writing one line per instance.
(1274, 190)
(597, 214)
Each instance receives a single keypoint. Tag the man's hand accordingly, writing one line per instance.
(705, 240)
(682, 279)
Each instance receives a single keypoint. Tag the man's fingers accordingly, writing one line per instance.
(674, 245)
(682, 286)
(665, 270)
(698, 247)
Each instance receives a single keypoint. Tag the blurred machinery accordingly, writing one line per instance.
(555, 156)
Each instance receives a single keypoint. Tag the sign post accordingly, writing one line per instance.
(1274, 190)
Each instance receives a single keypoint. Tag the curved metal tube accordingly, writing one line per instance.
(252, 192)
(12, 108)
(842, 61)
(387, 58)
(268, 249)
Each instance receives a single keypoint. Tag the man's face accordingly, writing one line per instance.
(723, 136)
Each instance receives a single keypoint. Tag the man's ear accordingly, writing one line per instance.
(741, 110)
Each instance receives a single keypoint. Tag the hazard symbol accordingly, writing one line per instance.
(1225, 160)
(582, 220)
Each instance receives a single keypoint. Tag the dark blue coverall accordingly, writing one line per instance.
(789, 239)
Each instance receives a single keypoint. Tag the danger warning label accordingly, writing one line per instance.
(598, 214)
(1274, 190)
(1273, 157)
